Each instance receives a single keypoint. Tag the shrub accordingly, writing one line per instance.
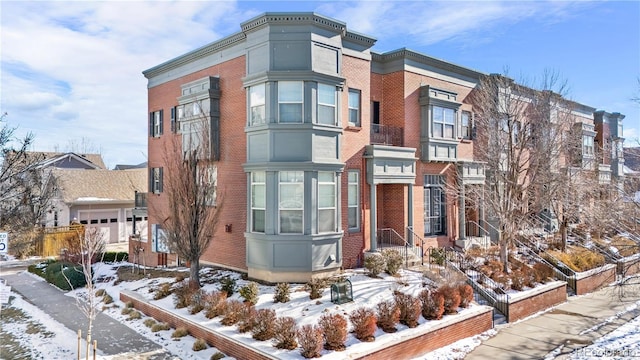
(37, 269)
(149, 322)
(310, 339)
(129, 304)
(180, 332)
(214, 304)
(217, 356)
(334, 328)
(100, 292)
(466, 295)
(107, 299)
(228, 285)
(432, 304)
(285, 333)
(374, 263)
(126, 311)
(163, 291)
(232, 312)
(247, 318)
(250, 292)
(281, 293)
(579, 259)
(183, 293)
(451, 297)
(264, 328)
(160, 327)
(626, 247)
(517, 280)
(65, 276)
(199, 345)
(410, 308)
(492, 268)
(364, 324)
(542, 272)
(315, 288)
(135, 315)
(437, 256)
(393, 260)
(388, 316)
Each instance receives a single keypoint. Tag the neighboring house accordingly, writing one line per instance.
(99, 198)
(319, 143)
(90, 194)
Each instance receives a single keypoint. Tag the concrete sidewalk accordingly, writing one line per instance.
(565, 328)
(113, 337)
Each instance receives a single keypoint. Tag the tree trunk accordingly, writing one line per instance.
(504, 252)
(194, 273)
(564, 228)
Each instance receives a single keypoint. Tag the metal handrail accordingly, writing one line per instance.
(417, 237)
(570, 278)
(390, 238)
(486, 233)
(387, 135)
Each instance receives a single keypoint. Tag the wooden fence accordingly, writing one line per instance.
(57, 238)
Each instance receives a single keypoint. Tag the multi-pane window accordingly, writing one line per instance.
(326, 104)
(587, 145)
(257, 105)
(353, 201)
(354, 107)
(192, 135)
(620, 133)
(326, 201)
(435, 214)
(290, 101)
(258, 200)
(443, 122)
(291, 204)
(156, 180)
(155, 123)
(465, 125)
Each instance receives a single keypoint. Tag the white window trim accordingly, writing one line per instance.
(335, 201)
(301, 102)
(334, 105)
(357, 204)
(280, 209)
(443, 122)
(264, 209)
(358, 109)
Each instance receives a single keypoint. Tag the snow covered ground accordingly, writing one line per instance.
(36, 335)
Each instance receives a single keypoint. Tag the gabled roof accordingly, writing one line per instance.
(100, 186)
(127, 167)
(56, 159)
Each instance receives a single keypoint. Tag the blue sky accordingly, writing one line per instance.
(71, 71)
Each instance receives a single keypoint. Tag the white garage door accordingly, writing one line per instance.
(105, 221)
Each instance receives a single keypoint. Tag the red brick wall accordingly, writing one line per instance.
(357, 73)
(407, 349)
(590, 283)
(531, 305)
(227, 249)
(436, 339)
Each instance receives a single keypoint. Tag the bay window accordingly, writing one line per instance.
(326, 202)
(326, 104)
(291, 202)
(258, 201)
(257, 105)
(587, 145)
(290, 101)
(443, 122)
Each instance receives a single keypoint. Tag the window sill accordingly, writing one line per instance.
(353, 128)
(466, 141)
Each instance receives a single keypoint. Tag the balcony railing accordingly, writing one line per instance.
(141, 200)
(387, 135)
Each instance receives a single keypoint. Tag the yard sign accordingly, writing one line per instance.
(4, 240)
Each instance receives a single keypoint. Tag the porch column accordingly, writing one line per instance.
(373, 215)
(410, 211)
(461, 216)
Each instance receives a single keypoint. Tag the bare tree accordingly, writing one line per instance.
(26, 191)
(91, 244)
(519, 134)
(191, 216)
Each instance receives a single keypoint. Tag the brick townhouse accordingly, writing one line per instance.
(320, 144)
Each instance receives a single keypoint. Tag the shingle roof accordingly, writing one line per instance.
(100, 185)
(42, 156)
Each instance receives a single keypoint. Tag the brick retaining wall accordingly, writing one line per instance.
(588, 281)
(443, 335)
(629, 266)
(524, 307)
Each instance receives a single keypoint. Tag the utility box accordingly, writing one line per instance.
(341, 292)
